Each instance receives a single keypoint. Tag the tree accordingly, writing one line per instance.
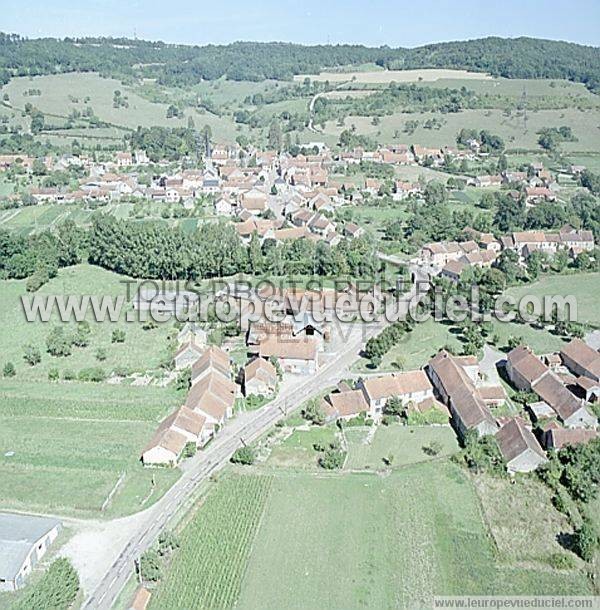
(244, 455)
(59, 342)
(81, 338)
(150, 566)
(509, 215)
(393, 406)
(275, 138)
(118, 336)
(31, 355)
(9, 370)
(313, 412)
(333, 457)
(100, 354)
(585, 540)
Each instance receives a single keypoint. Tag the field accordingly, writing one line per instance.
(415, 348)
(404, 443)
(399, 76)
(297, 451)
(582, 286)
(215, 546)
(143, 350)
(63, 447)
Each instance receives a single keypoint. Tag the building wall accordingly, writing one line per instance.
(581, 419)
(159, 456)
(525, 462)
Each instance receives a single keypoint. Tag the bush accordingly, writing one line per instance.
(244, 455)
(313, 412)
(118, 336)
(94, 374)
(9, 370)
(32, 355)
(561, 561)
(58, 342)
(333, 457)
(189, 450)
(37, 279)
(56, 590)
(69, 375)
(585, 540)
(53, 375)
(150, 566)
(101, 354)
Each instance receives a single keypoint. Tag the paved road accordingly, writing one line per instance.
(215, 457)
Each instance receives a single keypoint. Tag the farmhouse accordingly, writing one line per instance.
(295, 354)
(581, 359)
(187, 354)
(181, 427)
(24, 540)
(557, 438)
(452, 378)
(411, 386)
(213, 396)
(260, 378)
(519, 447)
(214, 359)
(345, 405)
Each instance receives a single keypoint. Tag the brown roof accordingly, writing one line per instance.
(343, 404)
(467, 401)
(429, 403)
(526, 363)
(585, 356)
(212, 395)
(560, 437)
(550, 389)
(213, 358)
(397, 384)
(261, 368)
(494, 392)
(514, 439)
(168, 438)
(189, 345)
(298, 348)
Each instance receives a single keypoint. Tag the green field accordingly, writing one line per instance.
(143, 350)
(215, 546)
(404, 443)
(297, 450)
(63, 447)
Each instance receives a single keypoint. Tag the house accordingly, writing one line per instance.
(192, 332)
(124, 159)
(486, 181)
(175, 431)
(452, 270)
(519, 447)
(590, 388)
(410, 386)
(524, 368)
(254, 201)
(535, 194)
(187, 354)
(452, 378)
(223, 207)
(213, 396)
(345, 405)
(24, 540)
(295, 354)
(557, 438)
(260, 378)
(352, 230)
(211, 360)
(581, 359)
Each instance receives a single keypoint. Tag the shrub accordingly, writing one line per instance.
(332, 457)
(244, 455)
(585, 540)
(118, 336)
(32, 355)
(9, 370)
(313, 412)
(94, 373)
(69, 375)
(37, 279)
(81, 338)
(101, 354)
(58, 342)
(189, 450)
(150, 566)
(53, 375)
(561, 561)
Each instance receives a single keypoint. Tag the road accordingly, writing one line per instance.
(145, 531)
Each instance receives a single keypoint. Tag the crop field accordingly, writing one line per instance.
(64, 447)
(142, 350)
(405, 444)
(207, 569)
(361, 541)
(398, 76)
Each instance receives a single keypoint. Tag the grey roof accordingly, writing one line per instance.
(18, 534)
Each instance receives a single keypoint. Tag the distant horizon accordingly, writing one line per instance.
(291, 42)
(310, 22)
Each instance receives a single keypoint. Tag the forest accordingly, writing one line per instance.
(181, 65)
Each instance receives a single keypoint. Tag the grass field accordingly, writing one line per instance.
(297, 450)
(415, 348)
(399, 76)
(404, 443)
(361, 541)
(581, 285)
(63, 447)
(142, 350)
(207, 569)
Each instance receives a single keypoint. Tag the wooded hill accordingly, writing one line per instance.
(255, 61)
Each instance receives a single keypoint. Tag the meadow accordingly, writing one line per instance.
(64, 447)
(142, 350)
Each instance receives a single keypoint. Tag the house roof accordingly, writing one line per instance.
(260, 368)
(583, 355)
(551, 390)
(188, 345)
(526, 363)
(296, 348)
(344, 404)
(212, 395)
(213, 358)
(560, 437)
(514, 439)
(397, 384)
(170, 439)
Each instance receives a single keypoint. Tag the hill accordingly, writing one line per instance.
(173, 64)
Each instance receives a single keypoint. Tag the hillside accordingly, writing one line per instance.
(254, 61)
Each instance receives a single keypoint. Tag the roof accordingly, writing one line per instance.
(18, 535)
(468, 404)
(343, 404)
(514, 439)
(297, 348)
(550, 389)
(494, 392)
(188, 345)
(524, 362)
(213, 395)
(213, 358)
(397, 384)
(583, 355)
(170, 439)
(560, 437)
(260, 368)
